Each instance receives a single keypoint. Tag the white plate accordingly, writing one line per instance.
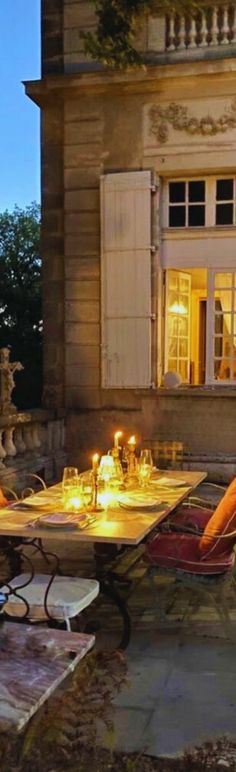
(57, 520)
(38, 501)
(169, 482)
(138, 501)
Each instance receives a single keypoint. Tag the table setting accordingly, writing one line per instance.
(118, 482)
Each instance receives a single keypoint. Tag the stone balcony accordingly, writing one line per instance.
(209, 33)
(31, 442)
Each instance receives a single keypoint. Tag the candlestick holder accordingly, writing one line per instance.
(95, 506)
(131, 462)
(115, 453)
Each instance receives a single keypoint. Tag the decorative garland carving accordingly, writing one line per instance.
(180, 118)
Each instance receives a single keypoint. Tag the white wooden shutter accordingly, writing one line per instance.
(126, 279)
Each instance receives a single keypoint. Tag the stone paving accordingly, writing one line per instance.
(182, 682)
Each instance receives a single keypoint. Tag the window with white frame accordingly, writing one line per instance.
(200, 325)
(199, 203)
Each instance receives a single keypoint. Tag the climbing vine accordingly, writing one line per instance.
(112, 43)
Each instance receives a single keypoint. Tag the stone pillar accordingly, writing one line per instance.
(52, 36)
(52, 246)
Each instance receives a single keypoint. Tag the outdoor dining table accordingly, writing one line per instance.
(34, 661)
(120, 526)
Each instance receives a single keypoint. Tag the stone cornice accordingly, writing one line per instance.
(130, 82)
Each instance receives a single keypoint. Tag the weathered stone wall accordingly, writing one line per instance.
(52, 36)
(83, 166)
(94, 124)
(78, 17)
(52, 245)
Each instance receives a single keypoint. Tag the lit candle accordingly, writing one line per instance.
(132, 443)
(116, 439)
(95, 461)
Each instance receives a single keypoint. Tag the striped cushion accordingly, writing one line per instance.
(181, 551)
(222, 521)
(190, 517)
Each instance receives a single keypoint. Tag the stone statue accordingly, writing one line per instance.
(7, 383)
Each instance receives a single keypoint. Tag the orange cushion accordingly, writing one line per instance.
(3, 500)
(223, 521)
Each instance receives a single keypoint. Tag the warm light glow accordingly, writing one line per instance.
(106, 499)
(178, 308)
(132, 442)
(107, 468)
(95, 460)
(72, 502)
(116, 439)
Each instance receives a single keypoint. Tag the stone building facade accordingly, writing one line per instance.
(139, 233)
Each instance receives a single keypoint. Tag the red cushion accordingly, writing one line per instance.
(192, 517)
(181, 551)
(222, 521)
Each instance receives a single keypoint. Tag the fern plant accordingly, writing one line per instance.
(66, 728)
(112, 42)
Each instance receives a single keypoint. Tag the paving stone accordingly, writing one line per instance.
(146, 683)
(181, 723)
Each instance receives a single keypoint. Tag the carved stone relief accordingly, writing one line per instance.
(180, 118)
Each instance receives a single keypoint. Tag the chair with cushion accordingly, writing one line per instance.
(201, 561)
(66, 597)
(194, 514)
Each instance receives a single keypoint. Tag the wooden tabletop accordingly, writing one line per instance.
(117, 525)
(33, 662)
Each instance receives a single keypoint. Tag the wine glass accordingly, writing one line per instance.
(145, 467)
(86, 482)
(70, 485)
(70, 477)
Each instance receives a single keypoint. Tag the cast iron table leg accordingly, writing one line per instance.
(104, 553)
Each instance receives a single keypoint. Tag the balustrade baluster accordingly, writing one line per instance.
(204, 31)
(35, 436)
(192, 33)
(225, 27)
(214, 28)
(182, 34)
(172, 46)
(10, 447)
(18, 439)
(28, 439)
(2, 450)
(233, 39)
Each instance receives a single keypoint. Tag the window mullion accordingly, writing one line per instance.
(210, 322)
(210, 202)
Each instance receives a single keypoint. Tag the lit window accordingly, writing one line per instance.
(200, 321)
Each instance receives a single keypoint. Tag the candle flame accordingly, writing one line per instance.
(95, 458)
(132, 440)
(117, 436)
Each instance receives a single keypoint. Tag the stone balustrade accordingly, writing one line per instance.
(31, 442)
(212, 26)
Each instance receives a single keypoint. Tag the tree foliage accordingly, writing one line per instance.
(20, 299)
(112, 43)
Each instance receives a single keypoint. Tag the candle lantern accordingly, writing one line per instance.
(95, 461)
(131, 457)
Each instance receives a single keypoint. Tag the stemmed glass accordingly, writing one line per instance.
(70, 486)
(145, 467)
(86, 483)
